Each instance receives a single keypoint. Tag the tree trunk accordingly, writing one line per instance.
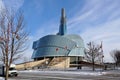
(6, 72)
(93, 65)
(116, 65)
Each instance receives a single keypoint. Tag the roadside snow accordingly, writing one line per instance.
(1, 78)
(95, 73)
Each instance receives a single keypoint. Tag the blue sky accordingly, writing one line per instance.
(93, 20)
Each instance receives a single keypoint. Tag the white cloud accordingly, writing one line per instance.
(99, 21)
(106, 32)
(13, 5)
(1, 5)
(95, 11)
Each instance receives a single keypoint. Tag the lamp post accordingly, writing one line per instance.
(57, 54)
(56, 50)
(102, 60)
(65, 57)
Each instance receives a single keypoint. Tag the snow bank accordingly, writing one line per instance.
(1, 78)
(95, 73)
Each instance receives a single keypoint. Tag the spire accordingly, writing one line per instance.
(63, 17)
(62, 28)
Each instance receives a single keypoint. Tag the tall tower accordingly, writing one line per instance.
(63, 28)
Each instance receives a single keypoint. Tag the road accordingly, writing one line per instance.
(45, 75)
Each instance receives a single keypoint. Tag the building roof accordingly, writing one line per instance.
(47, 46)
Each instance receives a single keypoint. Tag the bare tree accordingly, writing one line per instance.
(94, 53)
(115, 54)
(12, 37)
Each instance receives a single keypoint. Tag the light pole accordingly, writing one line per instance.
(57, 54)
(65, 57)
(56, 50)
(102, 60)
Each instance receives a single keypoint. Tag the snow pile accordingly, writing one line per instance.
(1, 78)
(95, 73)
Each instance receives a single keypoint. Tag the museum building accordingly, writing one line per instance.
(59, 49)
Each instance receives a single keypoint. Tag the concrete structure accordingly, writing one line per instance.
(60, 45)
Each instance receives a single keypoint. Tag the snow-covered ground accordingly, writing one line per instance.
(1, 78)
(72, 74)
(93, 73)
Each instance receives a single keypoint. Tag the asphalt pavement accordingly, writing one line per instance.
(45, 75)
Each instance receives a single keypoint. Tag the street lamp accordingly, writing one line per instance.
(65, 57)
(56, 54)
(57, 50)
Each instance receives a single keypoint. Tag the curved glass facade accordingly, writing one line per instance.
(56, 45)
